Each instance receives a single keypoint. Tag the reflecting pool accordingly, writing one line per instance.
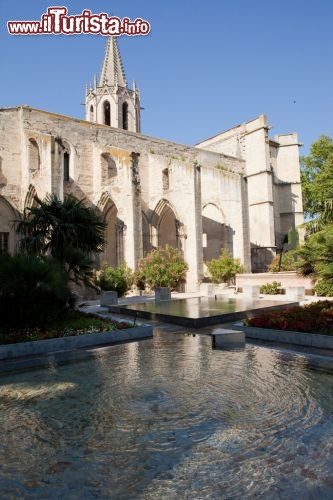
(197, 312)
(169, 418)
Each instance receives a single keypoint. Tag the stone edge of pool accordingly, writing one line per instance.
(300, 339)
(50, 346)
(137, 310)
(288, 337)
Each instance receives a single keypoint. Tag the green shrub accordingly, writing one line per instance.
(140, 278)
(225, 268)
(118, 279)
(33, 291)
(324, 288)
(162, 267)
(270, 288)
(288, 262)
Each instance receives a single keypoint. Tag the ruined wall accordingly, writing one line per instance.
(141, 183)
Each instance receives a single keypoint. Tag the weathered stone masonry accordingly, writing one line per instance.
(238, 190)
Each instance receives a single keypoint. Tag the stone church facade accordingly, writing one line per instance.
(238, 190)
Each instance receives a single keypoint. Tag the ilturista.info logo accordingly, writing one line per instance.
(56, 22)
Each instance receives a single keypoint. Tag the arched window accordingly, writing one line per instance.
(165, 179)
(34, 157)
(107, 113)
(7, 233)
(125, 116)
(66, 166)
(91, 113)
(66, 162)
(109, 167)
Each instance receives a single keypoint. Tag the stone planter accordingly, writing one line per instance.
(162, 293)
(108, 299)
(48, 346)
(288, 337)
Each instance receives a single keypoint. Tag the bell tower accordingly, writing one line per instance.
(109, 101)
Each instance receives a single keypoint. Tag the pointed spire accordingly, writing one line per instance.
(112, 70)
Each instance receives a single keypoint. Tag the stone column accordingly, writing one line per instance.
(193, 217)
(198, 220)
(181, 236)
(137, 210)
(120, 230)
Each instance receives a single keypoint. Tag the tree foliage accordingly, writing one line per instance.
(316, 255)
(68, 230)
(284, 262)
(270, 288)
(225, 268)
(162, 267)
(118, 279)
(317, 177)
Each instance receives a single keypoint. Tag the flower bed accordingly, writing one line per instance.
(75, 323)
(312, 318)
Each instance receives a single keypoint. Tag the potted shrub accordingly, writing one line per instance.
(114, 282)
(163, 270)
(225, 268)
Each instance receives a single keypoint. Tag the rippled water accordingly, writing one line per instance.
(169, 418)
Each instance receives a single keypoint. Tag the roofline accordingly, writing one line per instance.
(231, 128)
(100, 125)
(135, 134)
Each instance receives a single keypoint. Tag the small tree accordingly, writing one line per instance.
(225, 268)
(284, 262)
(162, 267)
(118, 279)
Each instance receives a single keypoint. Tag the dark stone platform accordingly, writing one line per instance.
(198, 312)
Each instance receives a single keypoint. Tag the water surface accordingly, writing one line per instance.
(169, 418)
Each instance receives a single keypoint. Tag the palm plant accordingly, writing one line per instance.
(324, 219)
(68, 230)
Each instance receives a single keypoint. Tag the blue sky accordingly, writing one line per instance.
(204, 67)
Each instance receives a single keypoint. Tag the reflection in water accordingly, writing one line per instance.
(169, 418)
(202, 307)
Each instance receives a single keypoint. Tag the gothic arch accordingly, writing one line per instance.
(67, 151)
(114, 235)
(109, 167)
(8, 216)
(66, 161)
(33, 155)
(215, 232)
(166, 224)
(30, 197)
(106, 112)
(125, 115)
(161, 205)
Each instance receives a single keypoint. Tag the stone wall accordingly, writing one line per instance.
(287, 279)
(141, 184)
